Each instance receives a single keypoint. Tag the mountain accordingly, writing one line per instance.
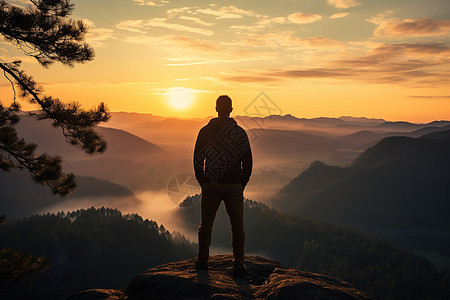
(88, 248)
(443, 135)
(402, 126)
(165, 130)
(398, 188)
(285, 144)
(374, 266)
(366, 138)
(51, 140)
(268, 279)
(129, 160)
(20, 196)
(362, 120)
(398, 182)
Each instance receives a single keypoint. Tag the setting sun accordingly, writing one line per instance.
(180, 98)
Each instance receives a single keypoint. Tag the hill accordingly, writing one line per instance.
(443, 135)
(88, 248)
(401, 183)
(129, 160)
(51, 140)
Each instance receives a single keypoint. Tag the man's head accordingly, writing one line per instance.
(224, 106)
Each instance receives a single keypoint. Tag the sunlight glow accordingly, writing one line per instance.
(180, 98)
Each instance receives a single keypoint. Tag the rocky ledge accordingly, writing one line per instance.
(267, 279)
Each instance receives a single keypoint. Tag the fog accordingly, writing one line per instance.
(152, 205)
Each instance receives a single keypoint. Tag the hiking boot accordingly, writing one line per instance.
(201, 265)
(240, 272)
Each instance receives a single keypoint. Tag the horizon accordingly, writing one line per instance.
(285, 115)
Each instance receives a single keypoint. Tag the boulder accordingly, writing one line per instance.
(267, 279)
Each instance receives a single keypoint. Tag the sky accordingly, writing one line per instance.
(308, 58)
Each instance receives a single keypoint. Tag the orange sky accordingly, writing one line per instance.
(388, 59)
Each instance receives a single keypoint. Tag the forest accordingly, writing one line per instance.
(85, 249)
(374, 266)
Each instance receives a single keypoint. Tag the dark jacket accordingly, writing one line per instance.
(222, 153)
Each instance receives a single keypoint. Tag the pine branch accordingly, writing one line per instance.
(77, 124)
(44, 31)
(44, 169)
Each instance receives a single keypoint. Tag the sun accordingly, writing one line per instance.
(180, 98)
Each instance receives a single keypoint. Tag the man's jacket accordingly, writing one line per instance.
(222, 153)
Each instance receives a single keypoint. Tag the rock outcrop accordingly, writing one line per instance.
(267, 279)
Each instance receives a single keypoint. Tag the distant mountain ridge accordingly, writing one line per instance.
(395, 167)
(51, 140)
(400, 183)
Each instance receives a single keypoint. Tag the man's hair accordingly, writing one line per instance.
(223, 103)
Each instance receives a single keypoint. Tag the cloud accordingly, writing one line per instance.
(430, 97)
(339, 15)
(284, 41)
(227, 12)
(229, 16)
(173, 12)
(151, 3)
(421, 64)
(261, 24)
(196, 20)
(97, 36)
(410, 27)
(303, 18)
(416, 49)
(139, 26)
(343, 3)
(193, 43)
(319, 41)
(406, 77)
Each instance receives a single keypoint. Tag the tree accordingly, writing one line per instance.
(45, 32)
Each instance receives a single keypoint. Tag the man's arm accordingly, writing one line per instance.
(247, 163)
(199, 158)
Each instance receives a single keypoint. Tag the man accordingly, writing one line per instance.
(223, 165)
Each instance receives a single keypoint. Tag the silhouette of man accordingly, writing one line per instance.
(223, 165)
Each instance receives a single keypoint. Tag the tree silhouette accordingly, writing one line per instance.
(45, 31)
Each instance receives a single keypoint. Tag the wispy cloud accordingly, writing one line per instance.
(196, 20)
(392, 27)
(339, 15)
(262, 24)
(140, 26)
(193, 43)
(227, 12)
(97, 36)
(383, 64)
(417, 49)
(343, 3)
(284, 41)
(224, 12)
(151, 3)
(173, 12)
(303, 18)
(430, 97)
